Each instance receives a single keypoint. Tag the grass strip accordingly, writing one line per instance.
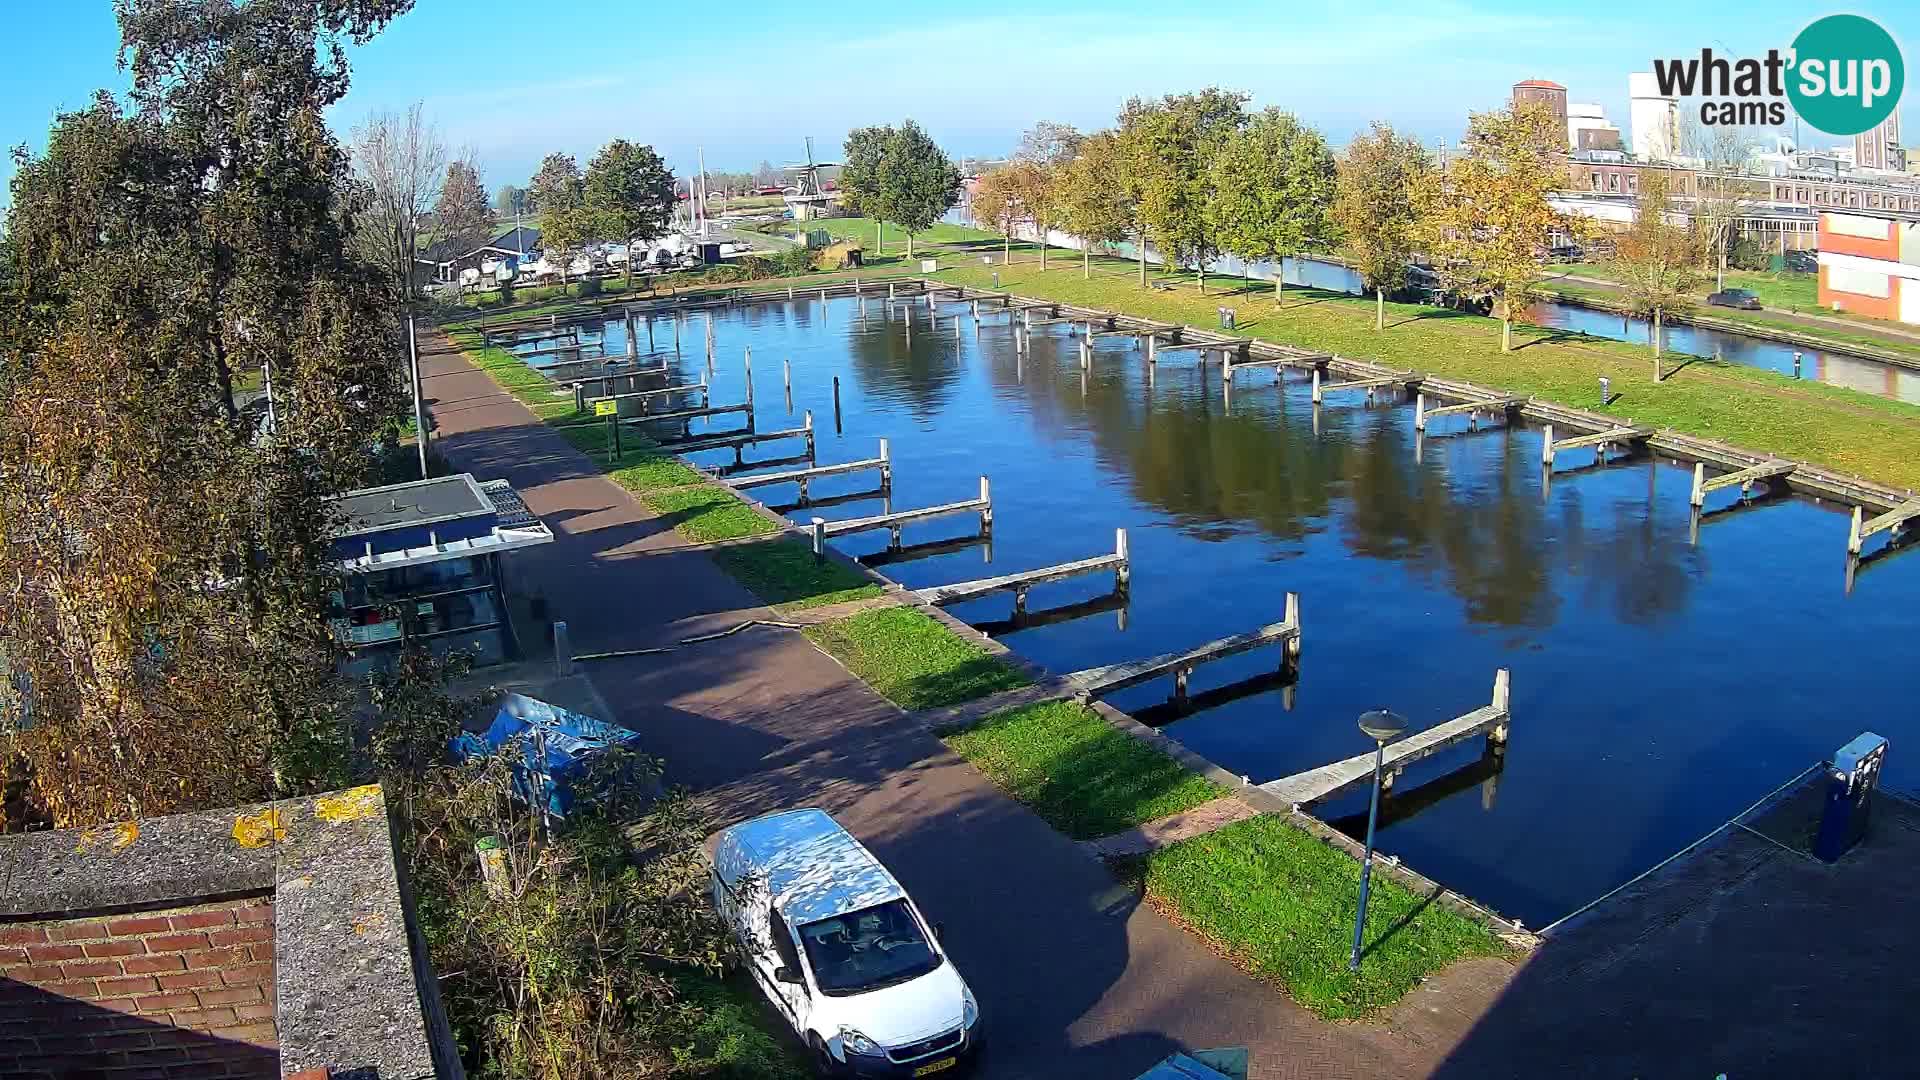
(913, 660)
(1085, 778)
(1283, 902)
(785, 574)
(1756, 409)
(705, 513)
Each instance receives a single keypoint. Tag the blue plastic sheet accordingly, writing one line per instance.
(556, 747)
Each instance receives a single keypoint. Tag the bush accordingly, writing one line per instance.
(506, 294)
(794, 261)
(587, 287)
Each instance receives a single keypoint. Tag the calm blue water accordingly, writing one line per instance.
(1658, 687)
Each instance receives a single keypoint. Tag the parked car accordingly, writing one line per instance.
(841, 950)
(1803, 262)
(1735, 298)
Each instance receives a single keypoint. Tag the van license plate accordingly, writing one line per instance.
(935, 1066)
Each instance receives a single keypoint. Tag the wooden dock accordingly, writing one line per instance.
(1893, 521)
(1472, 409)
(644, 395)
(1024, 580)
(1615, 436)
(686, 417)
(822, 528)
(1316, 785)
(1402, 379)
(1098, 682)
(803, 477)
(739, 442)
(1743, 478)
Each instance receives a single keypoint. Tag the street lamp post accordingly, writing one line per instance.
(1382, 726)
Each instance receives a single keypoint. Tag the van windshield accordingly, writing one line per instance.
(867, 949)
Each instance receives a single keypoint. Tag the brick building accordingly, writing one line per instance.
(255, 942)
(1870, 265)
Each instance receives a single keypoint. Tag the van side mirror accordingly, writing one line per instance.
(786, 975)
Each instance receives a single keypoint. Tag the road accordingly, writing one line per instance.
(1075, 974)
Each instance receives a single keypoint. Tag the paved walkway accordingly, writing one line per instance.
(1075, 975)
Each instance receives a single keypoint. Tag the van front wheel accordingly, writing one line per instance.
(823, 1063)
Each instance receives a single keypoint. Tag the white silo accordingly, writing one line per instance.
(1655, 118)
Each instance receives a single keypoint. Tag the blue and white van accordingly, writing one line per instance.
(840, 949)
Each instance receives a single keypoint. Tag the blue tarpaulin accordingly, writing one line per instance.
(567, 740)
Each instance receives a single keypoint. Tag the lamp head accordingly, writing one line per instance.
(1382, 725)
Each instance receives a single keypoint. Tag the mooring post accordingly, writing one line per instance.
(1502, 700)
(650, 346)
(1419, 412)
(1699, 495)
(889, 290)
(1853, 534)
(1226, 365)
(1180, 685)
(1546, 447)
(809, 430)
(1292, 617)
(1152, 340)
(1019, 599)
(820, 539)
(786, 375)
(562, 648)
(579, 397)
(1122, 574)
(986, 511)
(1086, 353)
(1316, 384)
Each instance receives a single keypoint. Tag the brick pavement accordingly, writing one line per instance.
(1076, 976)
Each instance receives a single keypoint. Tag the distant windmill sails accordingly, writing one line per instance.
(809, 197)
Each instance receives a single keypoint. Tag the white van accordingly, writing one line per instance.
(841, 950)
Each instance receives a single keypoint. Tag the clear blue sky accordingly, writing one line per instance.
(748, 80)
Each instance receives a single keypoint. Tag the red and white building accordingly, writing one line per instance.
(1870, 265)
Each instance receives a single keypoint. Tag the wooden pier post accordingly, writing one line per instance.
(789, 292)
(820, 539)
(1291, 651)
(1699, 495)
(1316, 384)
(786, 375)
(1152, 340)
(1086, 353)
(1854, 538)
(651, 348)
(1122, 574)
(836, 406)
(1546, 448)
(889, 290)
(986, 512)
(1502, 700)
(808, 427)
(633, 339)
(1226, 366)
(886, 465)
(1419, 412)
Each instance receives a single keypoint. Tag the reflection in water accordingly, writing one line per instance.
(1419, 574)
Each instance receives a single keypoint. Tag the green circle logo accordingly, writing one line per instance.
(1846, 74)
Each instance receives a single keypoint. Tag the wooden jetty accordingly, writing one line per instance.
(1472, 409)
(686, 417)
(1019, 583)
(1614, 436)
(1098, 682)
(738, 442)
(1289, 358)
(822, 528)
(1893, 520)
(646, 395)
(1402, 379)
(1744, 479)
(802, 477)
(1317, 785)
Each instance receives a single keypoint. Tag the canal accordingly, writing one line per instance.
(1658, 687)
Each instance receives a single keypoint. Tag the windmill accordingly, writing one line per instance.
(809, 197)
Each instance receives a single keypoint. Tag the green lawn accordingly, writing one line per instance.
(1085, 778)
(1282, 902)
(913, 661)
(1746, 406)
(704, 513)
(785, 574)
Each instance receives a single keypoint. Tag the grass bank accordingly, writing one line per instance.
(1761, 323)
(784, 574)
(1281, 902)
(1752, 408)
(1085, 778)
(912, 660)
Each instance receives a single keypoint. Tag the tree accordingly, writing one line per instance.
(557, 197)
(168, 562)
(629, 191)
(1092, 196)
(462, 217)
(1486, 222)
(918, 182)
(1170, 148)
(1657, 260)
(1045, 150)
(401, 162)
(765, 175)
(1049, 144)
(1273, 185)
(510, 199)
(1373, 208)
(860, 185)
(1003, 196)
(1722, 192)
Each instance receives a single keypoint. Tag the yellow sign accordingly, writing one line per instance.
(939, 1066)
(606, 408)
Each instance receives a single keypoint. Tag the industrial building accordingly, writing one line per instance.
(1870, 265)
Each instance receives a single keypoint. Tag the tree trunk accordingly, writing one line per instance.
(1140, 244)
(879, 236)
(1720, 273)
(1086, 261)
(1200, 272)
(1657, 375)
(909, 245)
(1042, 230)
(1379, 308)
(1006, 248)
(628, 287)
(1280, 284)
